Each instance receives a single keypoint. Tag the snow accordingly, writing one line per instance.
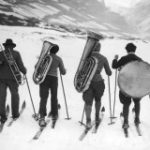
(67, 132)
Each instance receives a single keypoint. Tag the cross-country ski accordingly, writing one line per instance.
(7, 114)
(54, 121)
(124, 126)
(138, 129)
(98, 123)
(86, 131)
(41, 129)
(20, 113)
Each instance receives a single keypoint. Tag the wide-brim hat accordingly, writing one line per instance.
(9, 42)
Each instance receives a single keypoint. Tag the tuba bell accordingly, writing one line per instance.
(88, 64)
(43, 64)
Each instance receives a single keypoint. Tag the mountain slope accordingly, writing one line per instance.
(76, 14)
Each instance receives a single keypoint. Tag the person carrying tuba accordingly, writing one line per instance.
(51, 83)
(97, 86)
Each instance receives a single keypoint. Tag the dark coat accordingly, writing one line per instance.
(124, 60)
(5, 72)
(102, 63)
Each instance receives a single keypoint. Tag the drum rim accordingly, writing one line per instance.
(119, 85)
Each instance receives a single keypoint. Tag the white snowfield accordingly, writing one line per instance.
(66, 134)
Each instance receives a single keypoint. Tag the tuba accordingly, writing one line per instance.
(13, 67)
(43, 64)
(88, 64)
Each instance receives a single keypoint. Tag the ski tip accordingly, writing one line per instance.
(121, 114)
(103, 109)
(24, 104)
(7, 108)
(35, 138)
(59, 106)
(133, 110)
(81, 123)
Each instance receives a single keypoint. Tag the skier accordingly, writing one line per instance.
(125, 99)
(97, 86)
(51, 82)
(7, 80)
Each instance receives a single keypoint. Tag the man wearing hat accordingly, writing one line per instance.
(97, 86)
(7, 80)
(51, 83)
(125, 99)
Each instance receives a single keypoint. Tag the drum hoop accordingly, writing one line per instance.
(121, 89)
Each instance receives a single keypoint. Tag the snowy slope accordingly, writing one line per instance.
(72, 14)
(66, 134)
(113, 18)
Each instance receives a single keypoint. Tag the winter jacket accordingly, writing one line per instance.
(5, 72)
(56, 63)
(102, 63)
(124, 60)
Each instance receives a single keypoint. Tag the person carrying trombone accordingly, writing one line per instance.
(7, 79)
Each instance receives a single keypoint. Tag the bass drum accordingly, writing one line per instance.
(133, 79)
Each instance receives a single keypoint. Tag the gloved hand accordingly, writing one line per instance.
(25, 72)
(116, 56)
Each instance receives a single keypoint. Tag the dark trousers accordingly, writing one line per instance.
(94, 92)
(50, 83)
(13, 87)
(126, 101)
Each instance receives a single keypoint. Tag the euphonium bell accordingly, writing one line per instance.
(43, 64)
(88, 64)
(42, 69)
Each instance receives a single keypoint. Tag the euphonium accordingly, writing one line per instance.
(43, 63)
(88, 64)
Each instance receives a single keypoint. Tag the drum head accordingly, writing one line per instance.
(134, 79)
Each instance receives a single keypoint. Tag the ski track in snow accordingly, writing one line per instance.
(66, 134)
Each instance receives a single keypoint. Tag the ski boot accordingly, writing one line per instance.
(97, 120)
(15, 117)
(42, 122)
(125, 124)
(3, 120)
(137, 121)
(88, 123)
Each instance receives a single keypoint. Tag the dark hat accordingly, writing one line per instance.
(54, 49)
(9, 42)
(130, 47)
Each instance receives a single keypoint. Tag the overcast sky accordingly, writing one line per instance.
(124, 3)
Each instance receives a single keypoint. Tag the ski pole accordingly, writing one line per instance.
(64, 97)
(82, 117)
(114, 104)
(35, 114)
(109, 93)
